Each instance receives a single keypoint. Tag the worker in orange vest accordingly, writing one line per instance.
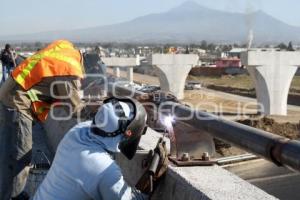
(51, 75)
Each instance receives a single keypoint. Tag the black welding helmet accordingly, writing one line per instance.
(131, 122)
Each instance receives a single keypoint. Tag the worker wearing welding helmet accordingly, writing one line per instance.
(84, 168)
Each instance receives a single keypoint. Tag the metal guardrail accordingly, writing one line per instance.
(279, 150)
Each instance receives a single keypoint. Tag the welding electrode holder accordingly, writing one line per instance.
(152, 174)
(154, 164)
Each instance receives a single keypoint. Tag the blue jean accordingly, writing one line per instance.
(6, 70)
(15, 151)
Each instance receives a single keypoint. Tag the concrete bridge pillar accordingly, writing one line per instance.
(173, 70)
(272, 72)
(117, 63)
(117, 71)
(130, 74)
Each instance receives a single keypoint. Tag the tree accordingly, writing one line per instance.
(226, 48)
(235, 45)
(211, 47)
(187, 50)
(38, 45)
(166, 48)
(290, 47)
(203, 45)
(282, 46)
(244, 45)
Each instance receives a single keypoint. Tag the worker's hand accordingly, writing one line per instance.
(163, 162)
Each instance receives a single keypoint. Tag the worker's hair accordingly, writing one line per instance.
(7, 46)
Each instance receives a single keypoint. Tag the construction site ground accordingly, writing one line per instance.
(242, 85)
(239, 82)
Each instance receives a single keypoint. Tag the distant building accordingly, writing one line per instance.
(235, 52)
(144, 51)
(228, 62)
(201, 51)
(172, 50)
(180, 50)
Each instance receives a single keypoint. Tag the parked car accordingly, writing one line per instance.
(193, 85)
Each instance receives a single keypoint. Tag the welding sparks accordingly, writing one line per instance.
(168, 121)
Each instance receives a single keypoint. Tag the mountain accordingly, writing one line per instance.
(189, 22)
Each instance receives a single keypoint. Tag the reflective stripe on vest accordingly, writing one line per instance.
(58, 59)
(32, 95)
(39, 108)
(38, 57)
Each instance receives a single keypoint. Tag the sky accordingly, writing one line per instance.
(30, 16)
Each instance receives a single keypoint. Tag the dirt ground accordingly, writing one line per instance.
(224, 150)
(289, 130)
(217, 104)
(240, 84)
(239, 81)
(243, 85)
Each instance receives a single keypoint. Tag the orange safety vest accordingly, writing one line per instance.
(60, 58)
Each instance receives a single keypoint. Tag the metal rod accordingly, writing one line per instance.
(236, 159)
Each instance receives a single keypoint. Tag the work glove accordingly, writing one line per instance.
(150, 179)
(163, 162)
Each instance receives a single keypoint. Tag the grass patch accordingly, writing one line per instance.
(239, 81)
